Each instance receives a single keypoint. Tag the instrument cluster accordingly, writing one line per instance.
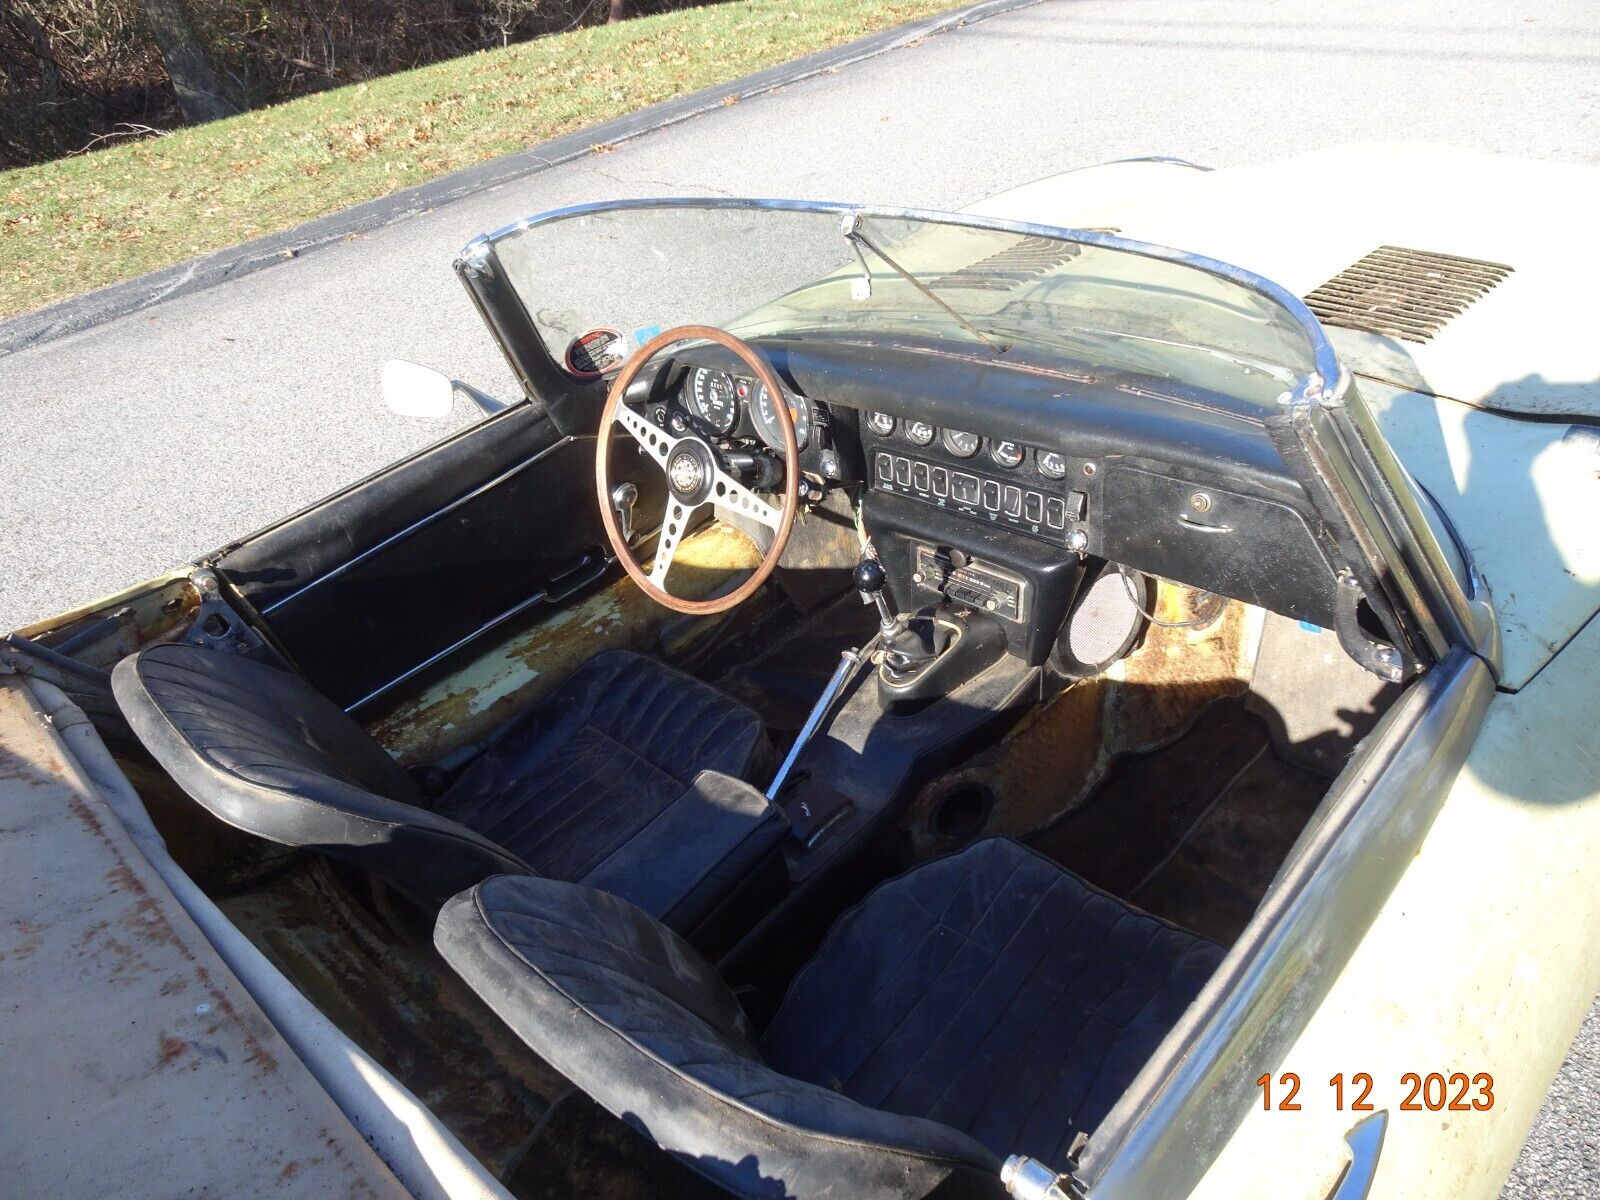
(718, 404)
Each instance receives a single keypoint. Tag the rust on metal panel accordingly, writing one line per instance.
(117, 1006)
(114, 626)
(1060, 752)
(501, 679)
(368, 963)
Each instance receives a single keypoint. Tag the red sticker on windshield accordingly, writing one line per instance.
(596, 352)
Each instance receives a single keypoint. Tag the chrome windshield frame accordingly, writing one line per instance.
(1326, 363)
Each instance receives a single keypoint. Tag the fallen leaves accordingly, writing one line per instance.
(141, 205)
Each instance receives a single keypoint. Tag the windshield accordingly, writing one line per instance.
(759, 269)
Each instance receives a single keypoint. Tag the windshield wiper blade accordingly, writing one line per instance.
(850, 227)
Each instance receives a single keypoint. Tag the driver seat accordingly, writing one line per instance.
(628, 778)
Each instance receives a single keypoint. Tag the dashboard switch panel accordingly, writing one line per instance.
(1014, 505)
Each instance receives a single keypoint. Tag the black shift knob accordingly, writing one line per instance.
(869, 576)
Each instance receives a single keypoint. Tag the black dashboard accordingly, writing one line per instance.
(1001, 476)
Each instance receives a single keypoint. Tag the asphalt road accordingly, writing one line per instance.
(147, 441)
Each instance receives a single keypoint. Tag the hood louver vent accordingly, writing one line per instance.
(1029, 258)
(1405, 294)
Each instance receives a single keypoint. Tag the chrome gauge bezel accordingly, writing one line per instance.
(766, 420)
(1038, 459)
(918, 439)
(955, 444)
(1009, 463)
(881, 423)
(701, 380)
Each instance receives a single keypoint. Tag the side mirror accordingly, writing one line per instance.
(412, 390)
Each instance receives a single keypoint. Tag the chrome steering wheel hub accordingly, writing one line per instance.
(690, 470)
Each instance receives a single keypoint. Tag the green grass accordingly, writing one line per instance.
(79, 223)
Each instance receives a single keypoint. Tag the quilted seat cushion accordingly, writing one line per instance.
(627, 777)
(991, 991)
(598, 761)
(631, 1013)
(980, 1005)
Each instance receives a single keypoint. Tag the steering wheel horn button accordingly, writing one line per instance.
(690, 471)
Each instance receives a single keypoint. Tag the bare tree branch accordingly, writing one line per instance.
(200, 91)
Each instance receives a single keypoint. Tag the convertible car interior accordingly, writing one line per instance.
(825, 740)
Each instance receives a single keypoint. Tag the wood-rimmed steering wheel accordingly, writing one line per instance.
(695, 474)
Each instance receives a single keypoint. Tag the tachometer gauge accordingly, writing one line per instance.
(920, 433)
(1052, 464)
(962, 445)
(881, 423)
(766, 420)
(1007, 454)
(711, 399)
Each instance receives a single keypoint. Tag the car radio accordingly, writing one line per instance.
(969, 583)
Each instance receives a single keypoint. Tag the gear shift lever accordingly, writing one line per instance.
(905, 646)
(869, 581)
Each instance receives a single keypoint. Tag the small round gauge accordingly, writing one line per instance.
(962, 445)
(881, 423)
(920, 433)
(1007, 454)
(766, 420)
(711, 399)
(1052, 464)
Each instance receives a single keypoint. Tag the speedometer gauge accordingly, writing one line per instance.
(767, 420)
(711, 398)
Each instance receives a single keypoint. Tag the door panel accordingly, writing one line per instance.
(374, 583)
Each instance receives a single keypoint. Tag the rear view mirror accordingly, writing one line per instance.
(412, 390)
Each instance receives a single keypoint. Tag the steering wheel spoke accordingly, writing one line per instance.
(652, 439)
(672, 527)
(731, 494)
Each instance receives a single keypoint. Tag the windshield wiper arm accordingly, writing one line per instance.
(851, 228)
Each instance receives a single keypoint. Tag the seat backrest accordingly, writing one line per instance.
(266, 752)
(626, 1009)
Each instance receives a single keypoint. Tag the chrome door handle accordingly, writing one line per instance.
(1365, 1141)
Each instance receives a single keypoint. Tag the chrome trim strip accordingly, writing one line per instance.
(1389, 487)
(419, 524)
(1326, 362)
(1190, 1097)
(1334, 487)
(1166, 159)
(1365, 1140)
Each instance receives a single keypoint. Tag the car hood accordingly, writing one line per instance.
(1527, 345)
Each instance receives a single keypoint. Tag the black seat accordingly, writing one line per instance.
(626, 778)
(985, 1004)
